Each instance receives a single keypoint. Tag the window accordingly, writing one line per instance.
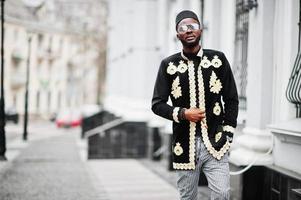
(241, 50)
(38, 101)
(40, 39)
(50, 44)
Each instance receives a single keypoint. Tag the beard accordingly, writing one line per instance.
(191, 44)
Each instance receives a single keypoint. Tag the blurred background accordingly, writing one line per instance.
(77, 80)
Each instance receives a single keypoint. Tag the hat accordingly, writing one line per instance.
(186, 14)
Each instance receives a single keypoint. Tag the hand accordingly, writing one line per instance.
(194, 114)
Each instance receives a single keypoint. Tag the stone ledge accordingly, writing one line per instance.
(285, 172)
(287, 132)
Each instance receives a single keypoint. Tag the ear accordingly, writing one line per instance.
(178, 36)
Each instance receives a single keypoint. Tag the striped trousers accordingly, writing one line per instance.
(216, 172)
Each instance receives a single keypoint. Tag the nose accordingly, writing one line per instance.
(189, 30)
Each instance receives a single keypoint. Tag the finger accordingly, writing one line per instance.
(204, 124)
(202, 111)
(200, 117)
(195, 120)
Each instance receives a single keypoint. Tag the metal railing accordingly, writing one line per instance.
(102, 128)
(293, 90)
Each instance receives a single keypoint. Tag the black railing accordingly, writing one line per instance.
(293, 90)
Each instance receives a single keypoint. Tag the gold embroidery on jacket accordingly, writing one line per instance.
(218, 136)
(205, 62)
(176, 88)
(182, 67)
(192, 125)
(216, 62)
(217, 109)
(171, 69)
(229, 128)
(215, 84)
(216, 154)
(178, 150)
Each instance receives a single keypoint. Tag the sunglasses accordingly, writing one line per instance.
(185, 27)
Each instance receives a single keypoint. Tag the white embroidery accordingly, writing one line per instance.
(205, 62)
(218, 136)
(229, 129)
(175, 114)
(216, 62)
(192, 125)
(178, 150)
(215, 84)
(217, 109)
(182, 67)
(191, 65)
(176, 88)
(171, 69)
(216, 154)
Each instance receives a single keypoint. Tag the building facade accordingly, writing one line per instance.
(66, 60)
(261, 39)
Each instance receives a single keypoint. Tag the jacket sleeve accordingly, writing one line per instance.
(230, 99)
(161, 94)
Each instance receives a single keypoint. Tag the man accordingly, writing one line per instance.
(204, 109)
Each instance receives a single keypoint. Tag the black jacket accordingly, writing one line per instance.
(210, 86)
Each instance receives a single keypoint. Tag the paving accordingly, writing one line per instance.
(161, 169)
(52, 164)
(129, 180)
(47, 168)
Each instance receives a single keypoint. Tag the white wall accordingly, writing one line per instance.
(260, 65)
(285, 51)
(133, 56)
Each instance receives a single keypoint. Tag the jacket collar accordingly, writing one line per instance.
(200, 54)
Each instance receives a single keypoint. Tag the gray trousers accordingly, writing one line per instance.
(216, 171)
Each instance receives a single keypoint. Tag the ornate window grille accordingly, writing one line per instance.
(293, 90)
(241, 50)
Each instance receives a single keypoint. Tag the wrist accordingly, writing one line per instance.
(182, 115)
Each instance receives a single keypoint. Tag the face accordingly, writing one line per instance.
(189, 32)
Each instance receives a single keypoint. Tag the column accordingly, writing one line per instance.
(256, 139)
